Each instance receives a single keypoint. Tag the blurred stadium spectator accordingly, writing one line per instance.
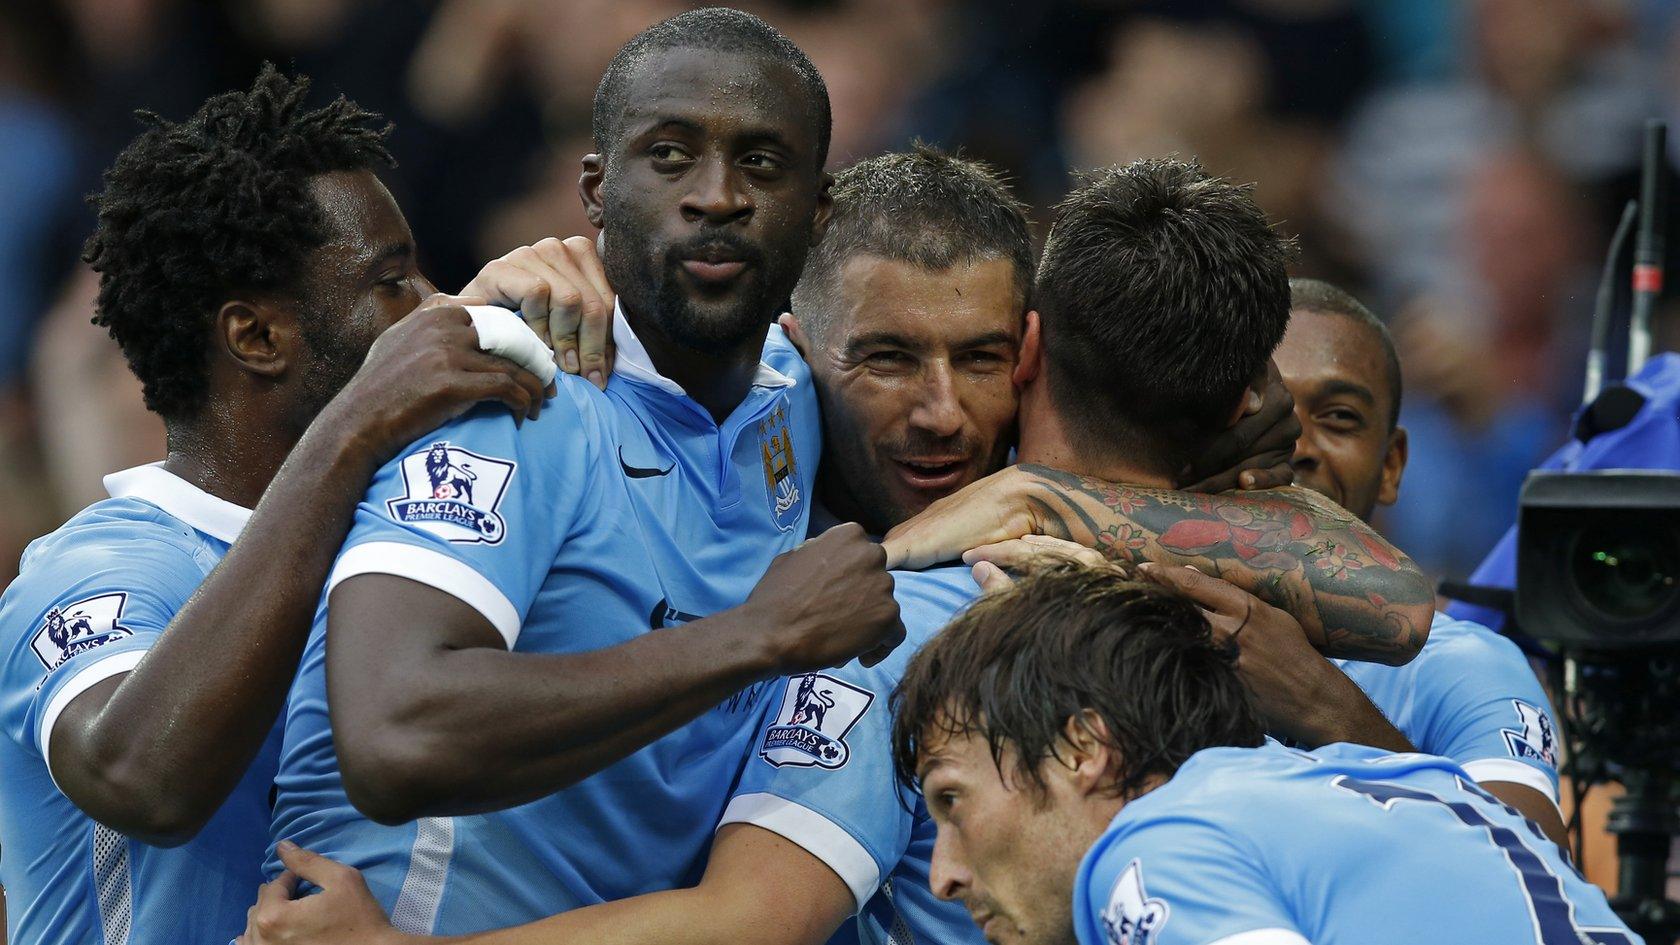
(1457, 161)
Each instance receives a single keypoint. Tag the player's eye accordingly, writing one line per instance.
(1344, 419)
(983, 360)
(888, 360)
(760, 161)
(664, 152)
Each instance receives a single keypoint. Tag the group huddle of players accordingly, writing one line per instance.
(439, 648)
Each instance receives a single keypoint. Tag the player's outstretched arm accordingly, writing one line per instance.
(433, 716)
(154, 752)
(728, 907)
(1356, 595)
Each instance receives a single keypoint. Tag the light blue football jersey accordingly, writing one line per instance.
(1345, 845)
(821, 774)
(1471, 696)
(616, 513)
(90, 599)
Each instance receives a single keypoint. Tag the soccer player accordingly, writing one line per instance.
(1098, 773)
(1470, 694)
(542, 647)
(911, 233)
(248, 258)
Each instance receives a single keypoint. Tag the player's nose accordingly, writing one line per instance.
(946, 875)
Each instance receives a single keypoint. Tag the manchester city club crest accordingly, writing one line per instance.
(775, 442)
(79, 627)
(810, 728)
(453, 493)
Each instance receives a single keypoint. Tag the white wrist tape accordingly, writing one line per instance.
(505, 334)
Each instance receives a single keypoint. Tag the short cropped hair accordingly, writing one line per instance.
(193, 211)
(715, 29)
(1315, 295)
(923, 207)
(1161, 291)
(1064, 640)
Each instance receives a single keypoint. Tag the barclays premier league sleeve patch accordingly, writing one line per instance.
(810, 728)
(77, 628)
(1533, 739)
(1131, 917)
(454, 494)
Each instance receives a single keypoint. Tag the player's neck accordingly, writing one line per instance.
(717, 382)
(233, 467)
(1046, 440)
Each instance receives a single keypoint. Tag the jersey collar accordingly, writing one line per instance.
(218, 518)
(633, 361)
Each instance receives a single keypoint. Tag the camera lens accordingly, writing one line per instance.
(1626, 573)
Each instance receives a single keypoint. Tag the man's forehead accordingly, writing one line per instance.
(743, 92)
(361, 215)
(966, 302)
(1327, 346)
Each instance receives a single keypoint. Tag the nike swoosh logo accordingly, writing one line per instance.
(642, 472)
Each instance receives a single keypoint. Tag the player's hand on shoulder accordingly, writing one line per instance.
(1292, 683)
(342, 913)
(1255, 452)
(560, 287)
(426, 370)
(994, 509)
(828, 601)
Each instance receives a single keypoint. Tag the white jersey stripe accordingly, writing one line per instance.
(428, 867)
(112, 884)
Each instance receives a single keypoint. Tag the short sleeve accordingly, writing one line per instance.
(82, 613)
(480, 508)
(1177, 880)
(1489, 713)
(821, 775)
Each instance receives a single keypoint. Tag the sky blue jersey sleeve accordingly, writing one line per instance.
(86, 609)
(1176, 878)
(480, 507)
(820, 774)
(1487, 709)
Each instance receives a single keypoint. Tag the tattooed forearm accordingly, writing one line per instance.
(1355, 595)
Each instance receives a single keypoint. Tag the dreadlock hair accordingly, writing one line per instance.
(197, 210)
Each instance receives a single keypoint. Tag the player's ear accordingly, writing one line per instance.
(589, 188)
(258, 336)
(1250, 401)
(795, 334)
(1031, 362)
(1087, 754)
(825, 209)
(1394, 467)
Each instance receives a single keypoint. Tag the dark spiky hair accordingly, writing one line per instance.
(1162, 291)
(195, 210)
(924, 207)
(715, 29)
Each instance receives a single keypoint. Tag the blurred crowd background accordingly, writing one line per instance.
(1458, 164)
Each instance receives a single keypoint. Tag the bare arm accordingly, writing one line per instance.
(154, 752)
(432, 715)
(1356, 596)
(730, 906)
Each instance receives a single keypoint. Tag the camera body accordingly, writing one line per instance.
(1598, 558)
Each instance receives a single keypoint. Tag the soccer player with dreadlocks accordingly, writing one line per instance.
(248, 258)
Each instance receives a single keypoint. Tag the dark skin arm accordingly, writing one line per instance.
(154, 752)
(433, 716)
(1356, 596)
